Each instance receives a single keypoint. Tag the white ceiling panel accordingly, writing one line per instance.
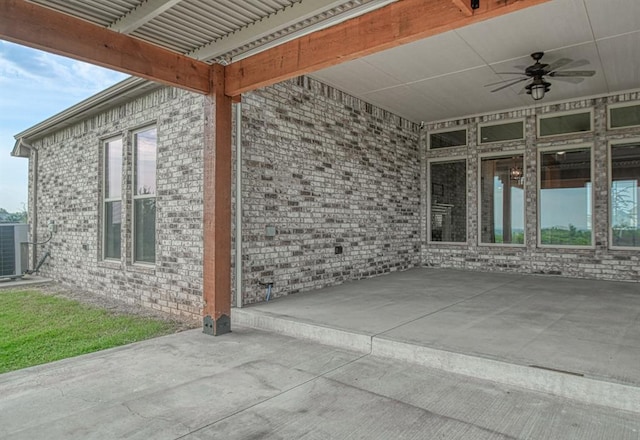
(627, 18)
(356, 77)
(408, 103)
(621, 61)
(438, 55)
(547, 26)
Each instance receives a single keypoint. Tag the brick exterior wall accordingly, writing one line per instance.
(69, 191)
(599, 261)
(326, 170)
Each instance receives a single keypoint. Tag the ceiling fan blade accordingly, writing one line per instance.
(558, 64)
(498, 82)
(573, 73)
(574, 64)
(509, 84)
(570, 79)
(510, 73)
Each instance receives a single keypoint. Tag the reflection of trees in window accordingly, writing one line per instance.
(448, 221)
(112, 202)
(565, 197)
(502, 200)
(625, 188)
(144, 198)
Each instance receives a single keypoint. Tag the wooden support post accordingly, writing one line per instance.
(217, 207)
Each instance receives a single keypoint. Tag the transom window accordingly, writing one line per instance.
(448, 138)
(501, 132)
(565, 123)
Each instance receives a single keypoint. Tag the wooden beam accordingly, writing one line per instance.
(216, 271)
(35, 26)
(464, 6)
(393, 25)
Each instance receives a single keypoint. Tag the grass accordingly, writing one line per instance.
(37, 328)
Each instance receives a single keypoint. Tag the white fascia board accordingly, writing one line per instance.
(280, 20)
(143, 14)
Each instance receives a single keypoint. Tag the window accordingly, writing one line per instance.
(564, 124)
(144, 195)
(448, 201)
(625, 189)
(565, 197)
(502, 200)
(624, 115)
(446, 139)
(112, 199)
(502, 132)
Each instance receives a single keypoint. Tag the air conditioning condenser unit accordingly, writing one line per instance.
(14, 253)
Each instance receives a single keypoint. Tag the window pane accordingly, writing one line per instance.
(145, 230)
(625, 116)
(565, 198)
(145, 158)
(565, 124)
(113, 169)
(449, 201)
(625, 189)
(448, 139)
(112, 228)
(502, 200)
(502, 132)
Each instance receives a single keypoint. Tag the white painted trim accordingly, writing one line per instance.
(621, 105)
(539, 153)
(448, 159)
(144, 13)
(481, 125)
(618, 142)
(542, 116)
(502, 155)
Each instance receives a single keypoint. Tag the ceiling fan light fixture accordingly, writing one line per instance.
(538, 88)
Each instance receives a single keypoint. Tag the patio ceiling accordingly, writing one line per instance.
(437, 77)
(444, 76)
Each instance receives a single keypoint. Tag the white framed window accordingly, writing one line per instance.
(502, 199)
(624, 191)
(112, 199)
(448, 200)
(623, 115)
(447, 138)
(145, 143)
(565, 194)
(503, 131)
(563, 123)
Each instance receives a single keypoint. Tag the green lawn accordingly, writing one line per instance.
(37, 328)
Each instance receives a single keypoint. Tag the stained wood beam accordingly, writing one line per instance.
(398, 23)
(216, 271)
(42, 28)
(464, 6)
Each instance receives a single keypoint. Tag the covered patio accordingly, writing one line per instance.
(570, 337)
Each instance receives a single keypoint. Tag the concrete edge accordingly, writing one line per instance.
(17, 284)
(581, 389)
(324, 335)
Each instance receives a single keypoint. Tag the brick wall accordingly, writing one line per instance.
(326, 170)
(598, 261)
(69, 189)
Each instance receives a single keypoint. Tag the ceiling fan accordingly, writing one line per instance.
(538, 71)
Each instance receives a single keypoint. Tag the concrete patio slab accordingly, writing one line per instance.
(252, 384)
(576, 338)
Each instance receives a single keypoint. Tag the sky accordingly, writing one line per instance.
(34, 86)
